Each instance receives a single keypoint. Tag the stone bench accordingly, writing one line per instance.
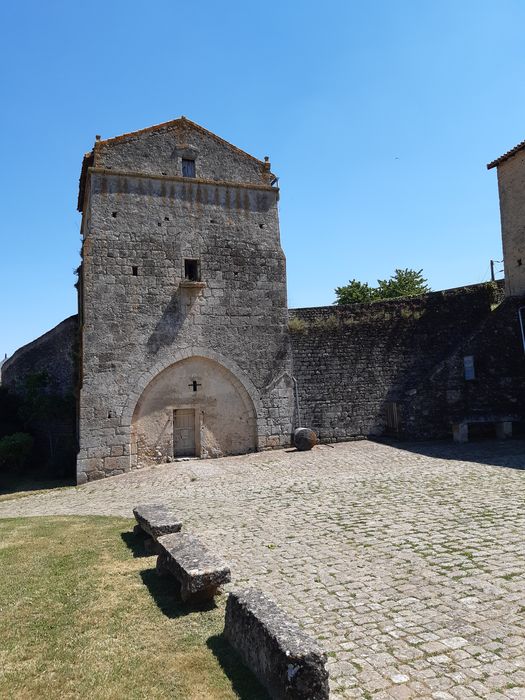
(288, 662)
(154, 520)
(503, 427)
(198, 571)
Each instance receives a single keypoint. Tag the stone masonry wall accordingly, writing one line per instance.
(511, 185)
(137, 319)
(160, 152)
(52, 353)
(351, 362)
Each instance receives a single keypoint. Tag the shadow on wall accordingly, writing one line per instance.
(497, 453)
(428, 400)
(170, 322)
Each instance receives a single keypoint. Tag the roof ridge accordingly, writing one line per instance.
(166, 125)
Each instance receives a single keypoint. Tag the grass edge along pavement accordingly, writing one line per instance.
(83, 614)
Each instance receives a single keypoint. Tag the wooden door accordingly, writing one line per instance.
(184, 432)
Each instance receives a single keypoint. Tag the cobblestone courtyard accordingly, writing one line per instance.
(406, 562)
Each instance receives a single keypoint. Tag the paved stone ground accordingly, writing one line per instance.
(406, 562)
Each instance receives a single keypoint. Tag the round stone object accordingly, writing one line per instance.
(304, 439)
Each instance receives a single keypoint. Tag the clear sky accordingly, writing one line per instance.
(379, 116)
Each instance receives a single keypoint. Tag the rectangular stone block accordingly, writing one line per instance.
(198, 571)
(288, 662)
(156, 520)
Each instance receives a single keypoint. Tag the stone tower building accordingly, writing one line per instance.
(184, 346)
(511, 185)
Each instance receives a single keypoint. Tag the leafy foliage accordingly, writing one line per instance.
(355, 292)
(40, 412)
(9, 412)
(15, 450)
(403, 283)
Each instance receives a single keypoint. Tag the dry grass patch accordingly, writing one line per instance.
(82, 614)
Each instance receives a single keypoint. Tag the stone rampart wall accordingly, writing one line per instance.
(52, 353)
(353, 363)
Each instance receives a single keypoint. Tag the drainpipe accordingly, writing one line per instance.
(296, 391)
(520, 316)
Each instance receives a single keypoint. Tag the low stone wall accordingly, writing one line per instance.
(397, 367)
(52, 353)
(288, 662)
(54, 430)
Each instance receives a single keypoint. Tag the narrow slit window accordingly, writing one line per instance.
(192, 270)
(468, 367)
(188, 167)
(134, 270)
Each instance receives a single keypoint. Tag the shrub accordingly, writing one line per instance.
(297, 325)
(330, 323)
(15, 450)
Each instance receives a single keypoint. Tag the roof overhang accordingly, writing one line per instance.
(506, 155)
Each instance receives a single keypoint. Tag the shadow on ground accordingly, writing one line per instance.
(496, 453)
(136, 543)
(20, 483)
(243, 681)
(165, 591)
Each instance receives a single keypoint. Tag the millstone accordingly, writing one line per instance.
(304, 439)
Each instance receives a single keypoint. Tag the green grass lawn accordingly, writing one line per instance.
(83, 615)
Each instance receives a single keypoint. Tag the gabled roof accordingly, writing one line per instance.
(88, 160)
(166, 125)
(506, 155)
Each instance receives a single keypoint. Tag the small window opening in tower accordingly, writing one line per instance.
(192, 270)
(134, 270)
(188, 167)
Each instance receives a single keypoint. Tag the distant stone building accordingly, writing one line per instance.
(511, 185)
(183, 345)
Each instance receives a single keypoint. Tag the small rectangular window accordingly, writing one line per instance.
(192, 270)
(134, 270)
(188, 168)
(468, 366)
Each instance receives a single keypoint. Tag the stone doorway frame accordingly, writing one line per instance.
(197, 426)
(173, 358)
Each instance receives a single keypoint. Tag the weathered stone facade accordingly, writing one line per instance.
(511, 186)
(398, 367)
(50, 363)
(182, 344)
(53, 353)
(183, 312)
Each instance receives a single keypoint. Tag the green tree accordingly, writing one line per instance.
(403, 283)
(355, 292)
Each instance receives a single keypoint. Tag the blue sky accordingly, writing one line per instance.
(379, 117)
